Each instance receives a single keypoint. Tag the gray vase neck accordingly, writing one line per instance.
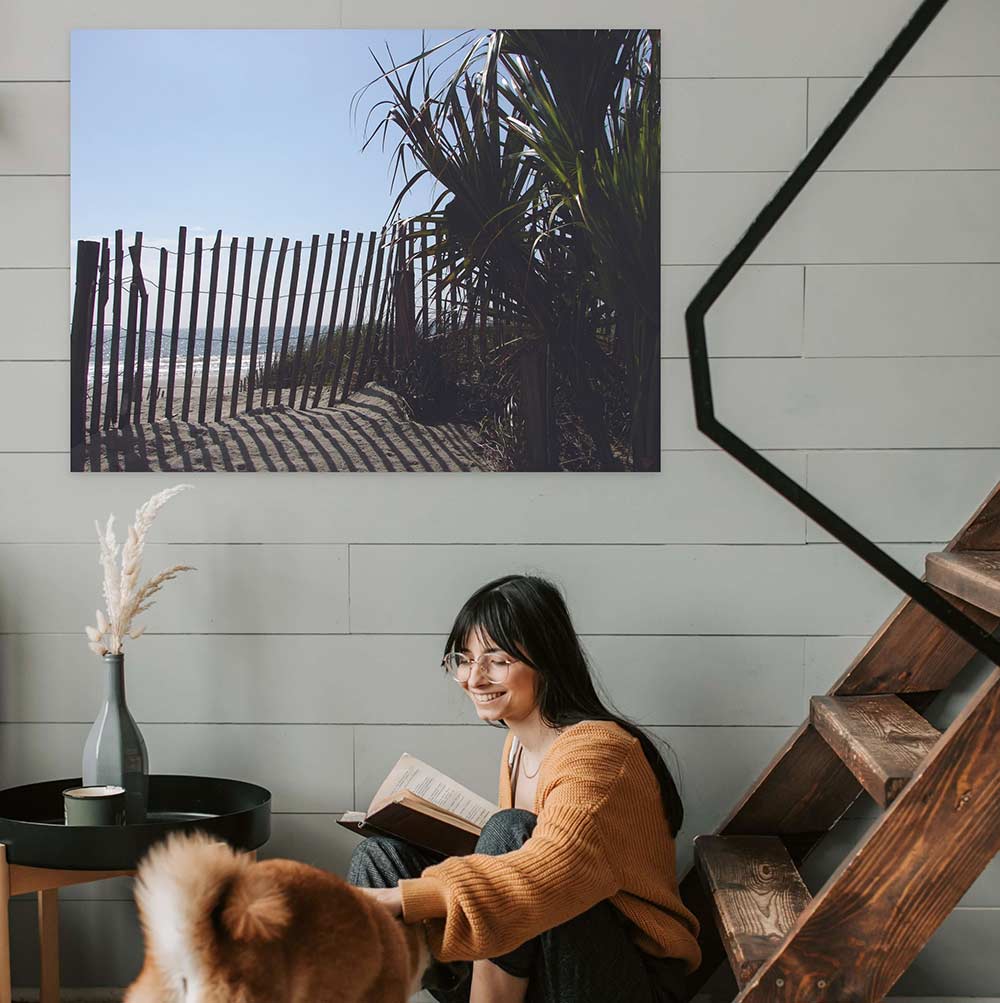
(114, 687)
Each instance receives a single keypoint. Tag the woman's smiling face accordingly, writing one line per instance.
(509, 700)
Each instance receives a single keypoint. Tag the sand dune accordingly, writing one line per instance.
(373, 429)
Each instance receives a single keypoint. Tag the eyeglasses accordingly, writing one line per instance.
(459, 666)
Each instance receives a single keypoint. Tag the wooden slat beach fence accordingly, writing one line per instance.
(354, 309)
(80, 339)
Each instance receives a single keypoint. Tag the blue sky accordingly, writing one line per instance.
(247, 130)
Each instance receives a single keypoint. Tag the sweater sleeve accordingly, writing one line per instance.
(481, 906)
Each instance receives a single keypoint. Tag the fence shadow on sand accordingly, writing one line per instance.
(373, 430)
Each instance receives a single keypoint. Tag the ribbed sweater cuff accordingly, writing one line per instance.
(423, 898)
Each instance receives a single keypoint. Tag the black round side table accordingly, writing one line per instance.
(39, 853)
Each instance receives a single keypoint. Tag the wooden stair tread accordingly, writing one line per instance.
(972, 575)
(807, 787)
(757, 895)
(881, 739)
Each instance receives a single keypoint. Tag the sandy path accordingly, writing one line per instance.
(373, 429)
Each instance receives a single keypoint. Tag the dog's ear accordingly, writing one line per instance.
(256, 908)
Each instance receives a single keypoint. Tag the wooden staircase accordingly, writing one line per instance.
(940, 793)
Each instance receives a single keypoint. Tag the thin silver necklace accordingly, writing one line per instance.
(524, 772)
(520, 760)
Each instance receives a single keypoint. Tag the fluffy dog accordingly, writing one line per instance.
(222, 928)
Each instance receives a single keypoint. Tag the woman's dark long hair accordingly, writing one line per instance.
(527, 617)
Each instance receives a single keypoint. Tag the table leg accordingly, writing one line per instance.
(4, 926)
(48, 940)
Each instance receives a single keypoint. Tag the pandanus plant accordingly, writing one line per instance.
(546, 145)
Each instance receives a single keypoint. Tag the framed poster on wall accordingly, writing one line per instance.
(327, 250)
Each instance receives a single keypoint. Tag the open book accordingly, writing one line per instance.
(425, 807)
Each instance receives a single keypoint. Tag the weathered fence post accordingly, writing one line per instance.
(102, 302)
(347, 318)
(83, 311)
(168, 404)
(192, 330)
(360, 322)
(244, 307)
(206, 357)
(331, 328)
(140, 346)
(111, 404)
(309, 366)
(405, 293)
(154, 376)
(131, 331)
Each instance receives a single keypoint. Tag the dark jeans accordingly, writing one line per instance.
(587, 958)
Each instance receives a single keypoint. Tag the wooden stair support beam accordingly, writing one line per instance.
(880, 739)
(756, 893)
(806, 787)
(883, 903)
(972, 575)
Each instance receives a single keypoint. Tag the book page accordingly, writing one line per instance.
(432, 785)
(416, 803)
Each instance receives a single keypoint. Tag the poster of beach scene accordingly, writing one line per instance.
(355, 250)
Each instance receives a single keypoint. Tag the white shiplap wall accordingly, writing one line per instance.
(860, 350)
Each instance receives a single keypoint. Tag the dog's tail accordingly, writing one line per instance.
(191, 885)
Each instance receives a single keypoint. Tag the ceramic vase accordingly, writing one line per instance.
(115, 752)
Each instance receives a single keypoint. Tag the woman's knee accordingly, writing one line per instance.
(506, 830)
(375, 863)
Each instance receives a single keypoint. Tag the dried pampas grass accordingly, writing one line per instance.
(124, 598)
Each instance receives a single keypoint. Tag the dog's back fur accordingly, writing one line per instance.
(221, 928)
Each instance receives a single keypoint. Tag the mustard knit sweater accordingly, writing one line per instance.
(601, 834)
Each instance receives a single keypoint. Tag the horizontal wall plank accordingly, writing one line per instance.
(865, 310)
(36, 313)
(234, 589)
(807, 407)
(878, 216)
(901, 495)
(306, 767)
(697, 496)
(37, 40)
(817, 589)
(34, 406)
(912, 124)
(841, 403)
(701, 680)
(712, 768)
(729, 38)
(34, 222)
(371, 679)
(232, 678)
(825, 661)
(720, 38)
(35, 128)
(759, 314)
(733, 125)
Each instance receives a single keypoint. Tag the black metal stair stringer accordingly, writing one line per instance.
(701, 378)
